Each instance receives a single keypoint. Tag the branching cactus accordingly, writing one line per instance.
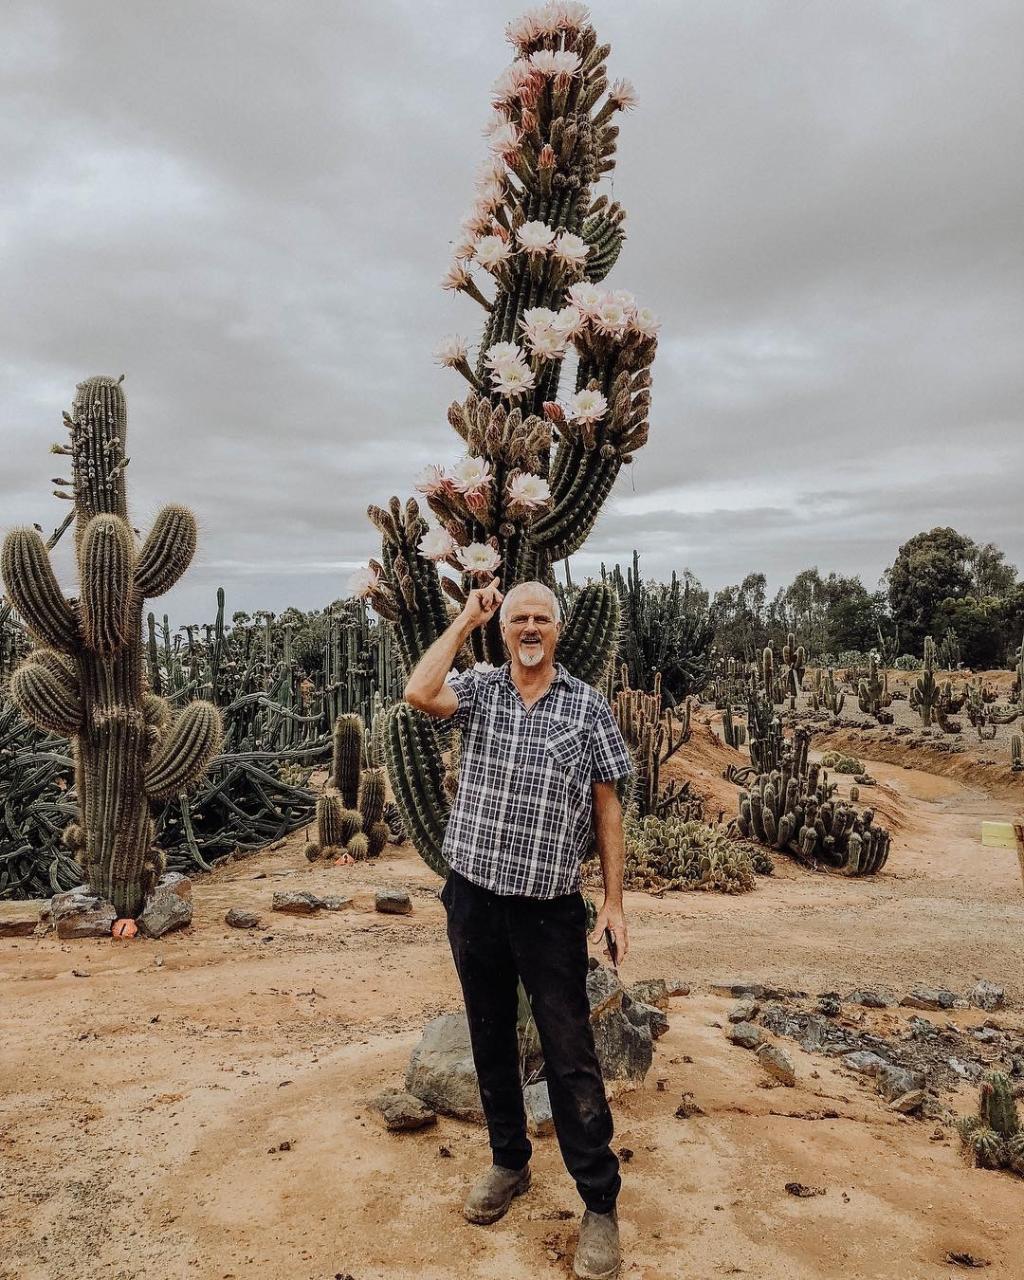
(653, 735)
(540, 460)
(924, 692)
(873, 690)
(794, 657)
(350, 813)
(86, 679)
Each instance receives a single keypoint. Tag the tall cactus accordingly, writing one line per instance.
(86, 679)
(873, 689)
(541, 462)
(925, 691)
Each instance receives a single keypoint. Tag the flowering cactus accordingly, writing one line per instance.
(539, 462)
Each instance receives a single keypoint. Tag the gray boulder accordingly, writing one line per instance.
(744, 1010)
(624, 1049)
(864, 1062)
(441, 1071)
(893, 1082)
(296, 902)
(78, 913)
(929, 998)
(239, 919)
(868, 999)
(645, 1015)
(777, 1063)
(539, 1121)
(746, 1035)
(168, 907)
(650, 991)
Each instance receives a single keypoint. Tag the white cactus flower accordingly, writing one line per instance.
(528, 491)
(451, 351)
(490, 251)
(502, 353)
(431, 480)
(571, 249)
(504, 140)
(552, 63)
(588, 406)
(436, 544)
(363, 583)
(586, 297)
(568, 322)
(512, 378)
(611, 318)
(478, 557)
(470, 473)
(535, 237)
(622, 95)
(645, 322)
(625, 299)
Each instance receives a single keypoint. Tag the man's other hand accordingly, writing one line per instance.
(611, 916)
(482, 604)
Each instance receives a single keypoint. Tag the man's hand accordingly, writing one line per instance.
(481, 604)
(611, 917)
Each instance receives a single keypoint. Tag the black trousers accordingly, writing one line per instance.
(495, 941)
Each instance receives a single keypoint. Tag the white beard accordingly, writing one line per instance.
(531, 656)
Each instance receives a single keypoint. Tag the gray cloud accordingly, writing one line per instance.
(248, 207)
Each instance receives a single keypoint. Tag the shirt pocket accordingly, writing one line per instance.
(568, 746)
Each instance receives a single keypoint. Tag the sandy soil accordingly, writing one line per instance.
(146, 1085)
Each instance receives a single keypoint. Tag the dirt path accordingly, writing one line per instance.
(140, 1103)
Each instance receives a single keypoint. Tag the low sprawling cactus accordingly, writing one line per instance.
(538, 468)
(673, 853)
(86, 680)
(350, 813)
(994, 1137)
(839, 763)
(797, 811)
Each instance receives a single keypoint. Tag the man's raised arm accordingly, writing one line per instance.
(426, 689)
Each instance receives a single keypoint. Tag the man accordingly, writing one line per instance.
(540, 757)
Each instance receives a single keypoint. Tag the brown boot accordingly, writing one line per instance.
(597, 1254)
(493, 1192)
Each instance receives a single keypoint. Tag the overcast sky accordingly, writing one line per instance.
(247, 208)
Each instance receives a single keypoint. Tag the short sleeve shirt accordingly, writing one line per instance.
(522, 821)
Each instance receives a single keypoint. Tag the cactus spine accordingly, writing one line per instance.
(86, 680)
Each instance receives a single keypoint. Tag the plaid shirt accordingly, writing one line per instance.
(522, 821)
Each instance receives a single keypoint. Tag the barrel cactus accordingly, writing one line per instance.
(994, 1137)
(540, 461)
(86, 679)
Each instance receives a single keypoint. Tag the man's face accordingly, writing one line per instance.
(530, 630)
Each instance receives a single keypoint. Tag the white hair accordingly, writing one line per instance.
(556, 612)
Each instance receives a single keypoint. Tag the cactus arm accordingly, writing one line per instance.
(106, 558)
(413, 762)
(47, 695)
(184, 755)
(167, 551)
(32, 585)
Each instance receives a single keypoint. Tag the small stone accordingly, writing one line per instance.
(868, 999)
(393, 902)
(677, 987)
(908, 1102)
(778, 1064)
(335, 902)
(403, 1111)
(650, 991)
(744, 1010)
(986, 995)
(689, 1107)
(21, 919)
(864, 1062)
(929, 998)
(986, 1035)
(239, 919)
(539, 1121)
(646, 1015)
(297, 902)
(746, 1034)
(829, 1005)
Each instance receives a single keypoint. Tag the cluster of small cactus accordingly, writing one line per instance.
(537, 472)
(839, 763)
(735, 734)
(797, 811)
(653, 735)
(86, 680)
(673, 853)
(350, 813)
(994, 1137)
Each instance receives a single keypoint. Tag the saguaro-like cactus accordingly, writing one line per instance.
(86, 678)
(540, 461)
(925, 691)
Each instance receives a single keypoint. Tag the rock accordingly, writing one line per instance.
(908, 1102)
(929, 998)
(441, 1071)
(775, 1019)
(646, 1015)
(604, 990)
(985, 1035)
(650, 991)
(677, 987)
(864, 1062)
(624, 1050)
(815, 1035)
(892, 1081)
(393, 902)
(829, 1005)
(79, 914)
(869, 999)
(297, 902)
(334, 902)
(986, 995)
(539, 1120)
(403, 1111)
(746, 1035)
(168, 907)
(744, 1010)
(777, 1063)
(239, 919)
(21, 919)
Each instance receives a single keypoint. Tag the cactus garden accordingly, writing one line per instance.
(236, 1043)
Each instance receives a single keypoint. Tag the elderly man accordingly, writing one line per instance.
(540, 757)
